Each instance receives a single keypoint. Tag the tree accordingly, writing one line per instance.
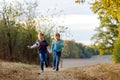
(70, 49)
(9, 14)
(106, 35)
(108, 31)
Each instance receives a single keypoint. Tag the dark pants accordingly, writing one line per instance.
(43, 59)
(56, 59)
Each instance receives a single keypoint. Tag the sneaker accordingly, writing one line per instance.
(41, 71)
(57, 70)
(46, 65)
(53, 68)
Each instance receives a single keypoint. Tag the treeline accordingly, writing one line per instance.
(73, 49)
(13, 42)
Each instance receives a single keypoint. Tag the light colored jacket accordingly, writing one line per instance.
(57, 45)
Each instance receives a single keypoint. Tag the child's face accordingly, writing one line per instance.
(56, 37)
(41, 37)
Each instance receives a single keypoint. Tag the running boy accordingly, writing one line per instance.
(57, 45)
(42, 50)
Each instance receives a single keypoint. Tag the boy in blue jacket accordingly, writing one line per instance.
(41, 44)
(57, 45)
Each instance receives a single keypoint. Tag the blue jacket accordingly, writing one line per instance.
(57, 45)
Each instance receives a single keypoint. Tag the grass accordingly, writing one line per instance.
(20, 71)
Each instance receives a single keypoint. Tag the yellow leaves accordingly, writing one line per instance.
(101, 52)
(79, 1)
(118, 17)
(95, 6)
(118, 14)
(109, 8)
(119, 30)
(112, 2)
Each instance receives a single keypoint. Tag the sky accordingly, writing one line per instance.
(79, 18)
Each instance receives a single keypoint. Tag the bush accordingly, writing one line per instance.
(116, 52)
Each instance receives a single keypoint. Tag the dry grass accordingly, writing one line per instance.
(17, 71)
(97, 72)
(20, 71)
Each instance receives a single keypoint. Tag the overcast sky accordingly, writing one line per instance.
(79, 18)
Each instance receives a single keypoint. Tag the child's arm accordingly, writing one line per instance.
(61, 43)
(34, 45)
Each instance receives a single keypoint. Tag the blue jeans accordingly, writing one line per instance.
(43, 59)
(56, 59)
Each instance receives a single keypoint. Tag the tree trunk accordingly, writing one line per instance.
(7, 23)
(10, 46)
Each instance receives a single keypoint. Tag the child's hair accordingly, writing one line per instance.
(57, 34)
(41, 34)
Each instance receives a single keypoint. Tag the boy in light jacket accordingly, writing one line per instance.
(57, 45)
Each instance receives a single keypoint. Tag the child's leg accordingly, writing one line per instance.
(54, 60)
(41, 62)
(45, 59)
(58, 60)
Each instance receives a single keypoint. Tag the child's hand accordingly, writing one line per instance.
(49, 50)
(37, 44)
(29, 47)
